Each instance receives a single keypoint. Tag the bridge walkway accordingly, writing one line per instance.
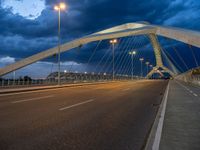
(181, 127)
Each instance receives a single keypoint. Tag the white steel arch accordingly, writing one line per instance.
(129, 29)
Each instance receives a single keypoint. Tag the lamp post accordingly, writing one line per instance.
(113, 42)
(132, 53)
(60, 7)
(151, 66)
(147, 63)
(141, 61)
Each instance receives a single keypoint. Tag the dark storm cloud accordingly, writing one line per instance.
(21, 37)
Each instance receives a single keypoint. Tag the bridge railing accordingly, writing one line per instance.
(28, 82)
(188, 78)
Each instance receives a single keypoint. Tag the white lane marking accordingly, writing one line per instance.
(64, 108)
(32, 99)
(195, 94)
(126, 89)
(157, 139)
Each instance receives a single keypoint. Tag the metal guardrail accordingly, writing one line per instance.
(10, 83)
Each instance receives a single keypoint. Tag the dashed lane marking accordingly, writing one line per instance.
(32, 99)
(78, 104)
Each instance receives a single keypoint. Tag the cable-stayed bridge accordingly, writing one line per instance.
(130, 30)
(132, 86)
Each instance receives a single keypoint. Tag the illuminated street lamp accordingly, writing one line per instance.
(141, 61)
(113, 42)
(132, 53)
(60, 7)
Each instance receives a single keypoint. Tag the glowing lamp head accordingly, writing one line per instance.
(56, 8)
(62, 6)
(132, 53)
(141, 59)
(114, 41)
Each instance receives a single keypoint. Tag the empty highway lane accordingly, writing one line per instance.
(108, 116)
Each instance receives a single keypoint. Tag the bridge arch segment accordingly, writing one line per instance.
(129, 29)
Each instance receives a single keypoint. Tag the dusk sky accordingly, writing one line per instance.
(28, 27)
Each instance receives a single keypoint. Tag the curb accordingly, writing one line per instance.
(152, 141)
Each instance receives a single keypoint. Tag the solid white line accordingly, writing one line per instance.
(64, 108)
(32, 99)
(191, 91)
(157, 139)
(195, 94)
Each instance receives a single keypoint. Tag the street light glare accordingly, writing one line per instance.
(132, 53)
(56, 8)
(114, 41)
(62, 6)
(141, 59)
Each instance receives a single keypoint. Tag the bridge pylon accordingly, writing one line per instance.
(157, 52)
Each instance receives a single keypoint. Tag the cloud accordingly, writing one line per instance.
(7, 60)
(21, 37)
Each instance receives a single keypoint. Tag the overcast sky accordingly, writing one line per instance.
(28, 27)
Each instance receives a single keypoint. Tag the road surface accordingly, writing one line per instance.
(109, 116)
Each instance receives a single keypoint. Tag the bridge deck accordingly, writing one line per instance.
(181, 130)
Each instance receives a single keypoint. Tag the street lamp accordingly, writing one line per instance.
(141, 60)
(132, 53)
(113, 42)
(60, 7)
(147, 63)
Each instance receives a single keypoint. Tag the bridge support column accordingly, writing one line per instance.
(157, 51)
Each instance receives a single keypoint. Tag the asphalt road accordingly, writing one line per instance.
(109, 116)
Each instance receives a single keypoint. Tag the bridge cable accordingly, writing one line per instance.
(180, 58)
(92, 55)
(173, 60)
(121, 66)
(126, 63)
(190, 46)
(139, 45)
(109, 58)
(105, 54)
(174, 68)
(122, 52)
(125, 45)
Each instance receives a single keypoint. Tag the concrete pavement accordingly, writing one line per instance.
(181, 129)
(109, 116)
